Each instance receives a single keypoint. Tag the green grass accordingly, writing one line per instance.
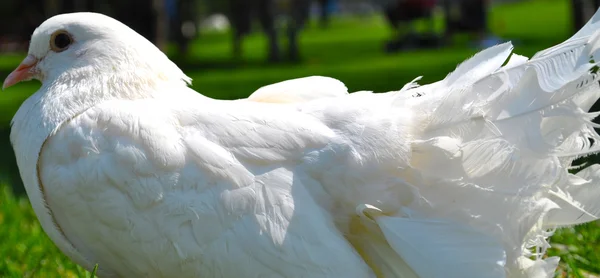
(25, 249)
(351, 51)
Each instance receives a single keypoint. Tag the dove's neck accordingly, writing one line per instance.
(62, 99)
(70, 92)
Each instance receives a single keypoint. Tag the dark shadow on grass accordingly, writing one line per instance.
(9, 172)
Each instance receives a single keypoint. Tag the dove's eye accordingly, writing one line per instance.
(60, 41)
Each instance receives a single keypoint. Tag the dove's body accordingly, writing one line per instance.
(128, 168)
(172, 185)
(239, 183)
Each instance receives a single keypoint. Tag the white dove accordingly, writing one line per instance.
(127, 167)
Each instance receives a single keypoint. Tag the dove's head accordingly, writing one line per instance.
(93, 48)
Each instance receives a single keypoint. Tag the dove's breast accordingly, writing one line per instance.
(106, 185)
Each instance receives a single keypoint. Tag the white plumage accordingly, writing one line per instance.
(127, 167)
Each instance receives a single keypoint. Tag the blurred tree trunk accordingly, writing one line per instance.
(180, 14)
(162, 23)
(324, 13)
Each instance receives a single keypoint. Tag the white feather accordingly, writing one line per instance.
(300, 90)
(437, 247)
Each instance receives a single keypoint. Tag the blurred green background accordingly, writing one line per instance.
(350, 48)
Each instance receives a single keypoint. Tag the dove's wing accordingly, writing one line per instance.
(212, 191)
(300, 90)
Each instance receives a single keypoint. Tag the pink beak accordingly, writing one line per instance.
(25, 71)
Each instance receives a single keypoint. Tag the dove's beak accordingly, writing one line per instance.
(24, 72)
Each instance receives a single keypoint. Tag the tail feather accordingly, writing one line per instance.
(578, 199)
(480, 65)
(493, 92)
(508, 135)
(587, 30)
